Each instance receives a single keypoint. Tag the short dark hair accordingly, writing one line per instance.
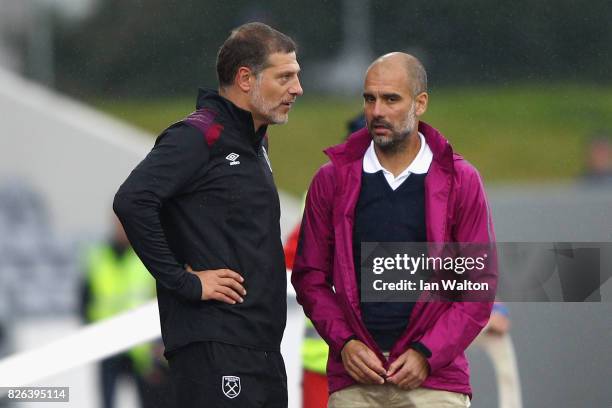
(250, 45)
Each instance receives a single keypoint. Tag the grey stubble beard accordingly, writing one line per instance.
(265, 108)
(398, 140)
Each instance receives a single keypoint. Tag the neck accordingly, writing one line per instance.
(398, 159)
(241, 100)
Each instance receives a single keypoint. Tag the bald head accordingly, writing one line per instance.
(414, 70)
(394, 98)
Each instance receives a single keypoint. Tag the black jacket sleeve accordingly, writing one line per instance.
(179, 153)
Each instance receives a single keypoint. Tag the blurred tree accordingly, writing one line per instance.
(153, 47)
(483, 41)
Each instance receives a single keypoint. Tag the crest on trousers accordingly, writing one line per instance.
(230, 386)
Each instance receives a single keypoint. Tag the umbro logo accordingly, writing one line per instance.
(232, 158)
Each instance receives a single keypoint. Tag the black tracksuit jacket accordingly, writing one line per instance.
(205, 197)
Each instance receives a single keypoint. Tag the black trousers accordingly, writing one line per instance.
(213, 374)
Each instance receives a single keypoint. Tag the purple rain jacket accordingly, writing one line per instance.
(456, 210)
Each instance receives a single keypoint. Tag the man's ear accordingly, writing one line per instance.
(244, 79)
(421, 103)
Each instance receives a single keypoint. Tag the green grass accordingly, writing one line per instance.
(518, 133)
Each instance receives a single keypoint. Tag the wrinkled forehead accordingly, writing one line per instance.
(387, 77)
(279, 61)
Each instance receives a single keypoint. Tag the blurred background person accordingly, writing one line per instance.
(116, 281)
(599, 158)
(314, 349)
(496, 342)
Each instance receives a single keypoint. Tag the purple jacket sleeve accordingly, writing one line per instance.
(459, 325)
(312, 270)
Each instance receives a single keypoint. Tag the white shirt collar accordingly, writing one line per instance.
(419, 165)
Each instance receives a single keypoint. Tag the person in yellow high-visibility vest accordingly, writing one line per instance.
(116, 281)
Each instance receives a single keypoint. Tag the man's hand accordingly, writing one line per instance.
(362, 364)
(498, 324)
(223, 285)
(409, 370)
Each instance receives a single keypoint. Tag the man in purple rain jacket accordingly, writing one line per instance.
(397, 180)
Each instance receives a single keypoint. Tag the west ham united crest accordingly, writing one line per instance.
(230, 386)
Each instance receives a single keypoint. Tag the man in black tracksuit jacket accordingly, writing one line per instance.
(202, 212)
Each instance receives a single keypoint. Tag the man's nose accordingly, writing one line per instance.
(296, 88)
(378, 109)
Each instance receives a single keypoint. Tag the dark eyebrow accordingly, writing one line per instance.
(289, 71)
(386, 95)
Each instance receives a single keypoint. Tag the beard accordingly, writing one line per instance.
(266, 109)
(399, 134)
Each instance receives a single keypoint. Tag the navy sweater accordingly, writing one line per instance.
(386, 215)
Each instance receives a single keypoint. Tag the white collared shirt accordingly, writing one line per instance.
(419, 165)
